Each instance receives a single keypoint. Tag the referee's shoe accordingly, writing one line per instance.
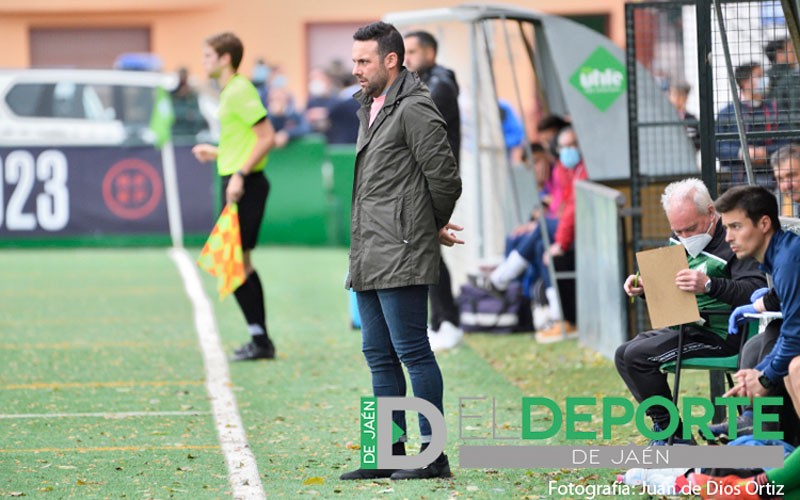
(252, 351)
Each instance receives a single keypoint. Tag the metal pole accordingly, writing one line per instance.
(475, 146)
(551, 270)
(737, 106)
(705, 89)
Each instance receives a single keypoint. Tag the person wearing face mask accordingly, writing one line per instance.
(320, 98)
(560, 224)
(759, 114)
(719, 280)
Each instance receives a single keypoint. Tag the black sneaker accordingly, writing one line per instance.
(675, 440)
(438, 468)
(744, 427)
(251, 351)
(367, 474)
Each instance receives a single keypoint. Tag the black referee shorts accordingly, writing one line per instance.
(251, 206)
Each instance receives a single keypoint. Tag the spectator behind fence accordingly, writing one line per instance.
(321, 96)
(259, 77)
(421, 50)
(715, 275)
(678, 95)
(759, 116)
(189, 120)
(343, 118)
(786, 167)
(784, 80)
(288, 123)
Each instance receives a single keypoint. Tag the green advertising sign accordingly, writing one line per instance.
(601, 78)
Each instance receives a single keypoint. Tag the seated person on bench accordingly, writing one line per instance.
(561, 230)
(719, 280)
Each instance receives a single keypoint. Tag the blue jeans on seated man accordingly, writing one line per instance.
(394, 330)
(531, 247)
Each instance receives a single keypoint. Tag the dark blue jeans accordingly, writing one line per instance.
(531, 247)
(394, 331)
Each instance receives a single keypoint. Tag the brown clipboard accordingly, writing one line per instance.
(667, 305)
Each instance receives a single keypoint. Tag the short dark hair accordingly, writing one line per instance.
(425, 39)
(388, 38)
(754, 201)
(772, 48)
(227, 43)
(537, 148)
(744, 72)
(681, 86)
(551, 121)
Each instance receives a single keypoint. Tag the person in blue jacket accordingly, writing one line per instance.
(750, 215)
(760, 119)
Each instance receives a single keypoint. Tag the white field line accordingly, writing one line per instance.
(242, 468)
(108, 415)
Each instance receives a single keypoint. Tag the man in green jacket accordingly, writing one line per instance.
(405, 188)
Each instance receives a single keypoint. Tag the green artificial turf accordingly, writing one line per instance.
(106, 331)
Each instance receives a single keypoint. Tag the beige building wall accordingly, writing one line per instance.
(273, 29)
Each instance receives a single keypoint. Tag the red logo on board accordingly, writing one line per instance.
(132, 189)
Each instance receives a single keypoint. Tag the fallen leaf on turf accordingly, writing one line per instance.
(314, 481)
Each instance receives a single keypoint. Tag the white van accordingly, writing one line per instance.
(72, 107)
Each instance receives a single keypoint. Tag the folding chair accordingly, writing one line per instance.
(727, 365)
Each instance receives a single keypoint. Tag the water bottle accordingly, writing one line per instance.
(638, 476)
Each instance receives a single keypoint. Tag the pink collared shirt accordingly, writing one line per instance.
(377, 104)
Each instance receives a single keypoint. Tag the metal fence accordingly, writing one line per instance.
(730, 70)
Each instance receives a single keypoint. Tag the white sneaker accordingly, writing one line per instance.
(448, 336)
(435, 340)
(541, 317)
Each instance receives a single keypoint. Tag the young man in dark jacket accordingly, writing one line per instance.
(421, 49)
(405, 188)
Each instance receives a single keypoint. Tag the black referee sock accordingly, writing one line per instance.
(250, 296)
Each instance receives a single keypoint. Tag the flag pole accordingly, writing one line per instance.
(171, 193)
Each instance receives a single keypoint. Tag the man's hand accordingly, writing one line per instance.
(447, 237)
(205, 152)
(528, 227)
(235, 189)
(737, 319)
(555, 250)
(747, 384)
(740, 389)
(754, 387)
(630, 289)
(690, 280)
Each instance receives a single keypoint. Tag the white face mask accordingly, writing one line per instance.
(695, 244)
